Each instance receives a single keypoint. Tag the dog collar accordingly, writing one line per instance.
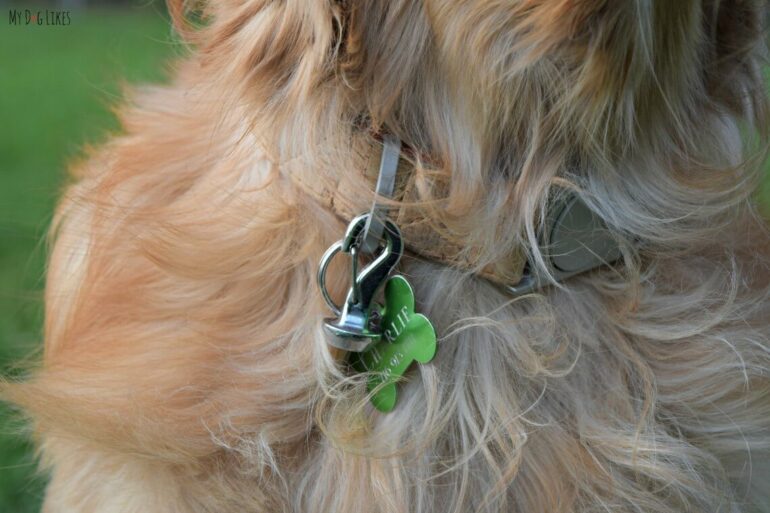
(349, 193)
(574, 239)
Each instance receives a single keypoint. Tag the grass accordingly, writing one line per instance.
(56, 88)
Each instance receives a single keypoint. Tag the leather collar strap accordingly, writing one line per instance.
(351, 191)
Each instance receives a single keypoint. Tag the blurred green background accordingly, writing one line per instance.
(57, 87)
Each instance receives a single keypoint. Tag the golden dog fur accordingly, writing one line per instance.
(185, 368)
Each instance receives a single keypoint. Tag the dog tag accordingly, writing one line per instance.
(406, 337)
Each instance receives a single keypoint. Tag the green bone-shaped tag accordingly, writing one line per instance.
(407, 336)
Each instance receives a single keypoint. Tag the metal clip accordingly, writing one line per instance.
(352, 329)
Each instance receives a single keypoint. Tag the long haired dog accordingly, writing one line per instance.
(186, 368)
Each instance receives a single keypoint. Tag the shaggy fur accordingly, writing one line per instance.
(185, 367)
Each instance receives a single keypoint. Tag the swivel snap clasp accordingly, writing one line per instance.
(352, 328)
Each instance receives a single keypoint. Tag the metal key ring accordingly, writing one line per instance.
(321, 276)
(349, 244)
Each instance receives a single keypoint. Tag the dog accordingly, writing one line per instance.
(186, 365)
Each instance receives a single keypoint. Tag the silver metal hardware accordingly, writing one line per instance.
(576, 240)
(386, 183)
(352, 329)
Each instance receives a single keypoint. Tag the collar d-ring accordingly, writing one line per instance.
(374, 229)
